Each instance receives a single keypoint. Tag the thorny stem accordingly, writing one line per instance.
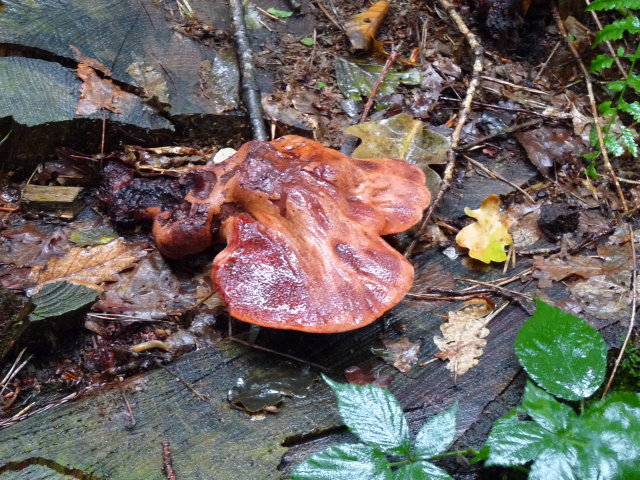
(632, 321)
(594, 108)
(468, 451)
(447, 177)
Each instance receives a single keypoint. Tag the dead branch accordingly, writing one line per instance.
(497, 176)
(447, 177)
(374, 91)
(167, 462)
(252, 98)
(594, 107)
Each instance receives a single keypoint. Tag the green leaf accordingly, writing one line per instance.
(546, 410)
(59, 298)
(561, 353)
(591, 171)
(320, 84)
(420, 471)
(482, 455)
(600, 63)
(628, 140)
(515, 442)
(616, 30)
(632, 109)
(356, 79)
(279, 13)
(606, 109)
(593, 137)
(614, 147)
(557, 463)
(633, 81)
(344, 462)
(436, 434)
(600, 5)
(374, 415)
(616, 86)
(308, 41)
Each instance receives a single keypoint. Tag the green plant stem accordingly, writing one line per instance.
(468, 451)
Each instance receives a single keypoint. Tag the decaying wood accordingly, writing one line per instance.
(63, 202)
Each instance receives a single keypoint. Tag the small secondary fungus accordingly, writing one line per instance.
(302, 224)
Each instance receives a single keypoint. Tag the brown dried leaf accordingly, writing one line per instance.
(463, 338)
(97, 93)
(90, 265)
(365, 376)
(401, 353)
(556, 269)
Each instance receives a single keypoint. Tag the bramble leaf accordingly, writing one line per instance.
(562, 353)
(344, 462)
(420, 471)
(436, 434)
(600, 63)
(514, 442)
(616, 30)
(546, 410)
(374, 415)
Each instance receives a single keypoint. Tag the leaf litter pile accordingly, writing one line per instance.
(88, 299)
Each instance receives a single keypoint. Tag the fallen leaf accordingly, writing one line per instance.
(356, 79)
(401, 353)
(550, 270)
(90, 266)
(548, 146)
(606, 296)
(150, 80)
(404, 138)
(486, 238)
(463, 338)
(365, 376)
(97, 93)
(363, 27)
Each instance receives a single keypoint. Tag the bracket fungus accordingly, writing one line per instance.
(302, 225)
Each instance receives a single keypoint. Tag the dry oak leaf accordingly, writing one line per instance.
(90, 266)
(486, 238)
(401, 353)
(463, 338)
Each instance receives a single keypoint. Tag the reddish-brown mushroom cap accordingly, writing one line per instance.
(303, 226)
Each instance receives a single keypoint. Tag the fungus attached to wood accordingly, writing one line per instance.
(303, 226)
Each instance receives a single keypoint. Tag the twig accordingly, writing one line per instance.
(498, 177)
(594, 107)
(546, 62)
(505, 131)
(498, 288)
(513, 85)
(374, 91)
(167, 462)
(330, 17)
(596, 19)
(632, 320)
(275, 352)
(251, 91)
(193, 390)
(447, 177)
(516, 297)
(14, 370)
(129, 409)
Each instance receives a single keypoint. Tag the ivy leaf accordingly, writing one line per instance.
(374, 415)
(515, 442)
(546, 410)
(344, 462)
(600, 63)
(279, 13)
(486, 238)
(616, 30)
(562, 353)
(627, 139)
(601, 5)
(632, 109)
(421, 471)
(436, 434)
(613, 146)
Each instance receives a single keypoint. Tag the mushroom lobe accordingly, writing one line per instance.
(303, 226)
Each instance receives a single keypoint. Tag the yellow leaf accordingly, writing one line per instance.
(90, 266)
(463, 338)
(486, 238)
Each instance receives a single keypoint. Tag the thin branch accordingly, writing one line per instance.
(447, 177)
(251, 92)
(167, 462)
(632, 320)
(546, 62)
(505, 131)
(594, 107)
(374, 91)
(275, 352)
(498, 177)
